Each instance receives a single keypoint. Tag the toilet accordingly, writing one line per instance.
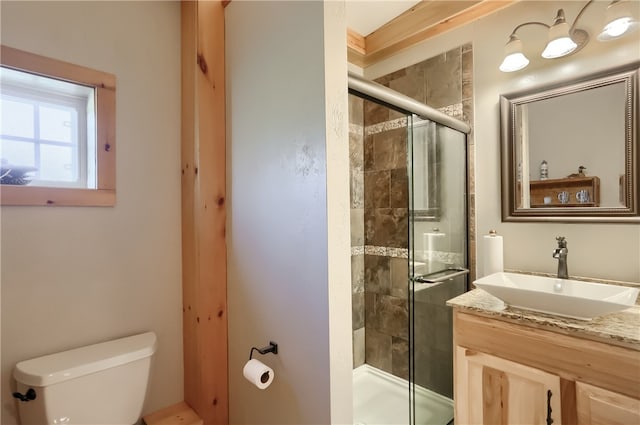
(104, 383)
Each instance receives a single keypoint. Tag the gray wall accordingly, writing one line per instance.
(287, 114)
(73, 276)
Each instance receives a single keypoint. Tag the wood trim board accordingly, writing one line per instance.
(425, 20)
(203, 163)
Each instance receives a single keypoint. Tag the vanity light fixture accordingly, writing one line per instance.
(619, 21)
(564, 39)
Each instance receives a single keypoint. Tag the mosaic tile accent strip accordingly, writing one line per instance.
(355, 128)
(383, 251)
(444, 257)
(387, 251)
(357, 250)
(385, 126)
(455, 111)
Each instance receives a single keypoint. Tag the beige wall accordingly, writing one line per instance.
(596, 250)
(75, 276)
(288, 216)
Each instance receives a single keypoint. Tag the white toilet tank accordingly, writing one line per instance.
(103, 383)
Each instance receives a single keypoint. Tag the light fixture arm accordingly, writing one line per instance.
(573, 26)
(529, 23)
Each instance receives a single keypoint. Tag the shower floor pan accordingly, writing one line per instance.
(382, 398)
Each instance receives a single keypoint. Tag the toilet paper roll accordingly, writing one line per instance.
(434, 241)
(258, 373)
(493, 254)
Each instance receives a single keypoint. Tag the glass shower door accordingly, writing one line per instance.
(438, 263)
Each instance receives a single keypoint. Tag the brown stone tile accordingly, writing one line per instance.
(399, 189)
(356, 151)
(357, 227)
(369, 226)
(444, 79)
(390, 149)
(358, 347)
(423, 367)
(371, 316)
(357, 310)
(378, 350)
(471, 170)
(393, 316)
(443, 336)
(375, 113)
(467, 47)
(412, 85)
(369, 160)
(399, 277)
(467, 112)
(377, 274)
(357, 273)
(400, 357)
(376, 189)
(389, 227)
(472, 215)
(356, 189)
(442, 374)
(386, 79)
(467, 75)
(356, 110)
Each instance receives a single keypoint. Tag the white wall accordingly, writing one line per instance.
(288, 218)
(596, 250)
(75, 276)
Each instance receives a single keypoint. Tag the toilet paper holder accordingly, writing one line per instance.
(272, 348)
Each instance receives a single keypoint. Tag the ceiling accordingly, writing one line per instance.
(365, 16)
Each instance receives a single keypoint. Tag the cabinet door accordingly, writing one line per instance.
(494, 391)
(597, 406)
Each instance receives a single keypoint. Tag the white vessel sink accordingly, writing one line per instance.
(562, 297)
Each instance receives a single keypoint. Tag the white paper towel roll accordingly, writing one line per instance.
(493, 254)
(258, 373)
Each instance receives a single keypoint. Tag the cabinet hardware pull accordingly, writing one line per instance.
(549, 420)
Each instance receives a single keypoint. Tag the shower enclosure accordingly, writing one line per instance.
(409, 254)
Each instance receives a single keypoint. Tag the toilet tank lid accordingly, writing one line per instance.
(59, 367)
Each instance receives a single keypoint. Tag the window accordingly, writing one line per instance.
(57, 128)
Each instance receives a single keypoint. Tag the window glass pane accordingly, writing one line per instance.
(56, 123)
(57, 163)
(17, 118)
(17, 153)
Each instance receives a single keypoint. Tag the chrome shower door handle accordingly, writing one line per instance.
(441, 276)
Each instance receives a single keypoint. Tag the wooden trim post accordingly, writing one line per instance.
(204, 276)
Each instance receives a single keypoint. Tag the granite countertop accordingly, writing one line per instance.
(622, 328)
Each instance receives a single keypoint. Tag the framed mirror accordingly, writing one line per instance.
(570, 151)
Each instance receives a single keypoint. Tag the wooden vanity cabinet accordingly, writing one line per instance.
(506, 373)
(492, 390)
(597, 406)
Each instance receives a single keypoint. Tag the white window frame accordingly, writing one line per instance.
(78, 135)
(104, 85)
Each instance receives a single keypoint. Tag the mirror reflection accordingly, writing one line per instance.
(571, 150)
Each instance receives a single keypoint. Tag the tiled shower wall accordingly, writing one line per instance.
(379, 214)
(356, 175)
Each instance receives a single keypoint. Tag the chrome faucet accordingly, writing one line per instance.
(560, 253)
